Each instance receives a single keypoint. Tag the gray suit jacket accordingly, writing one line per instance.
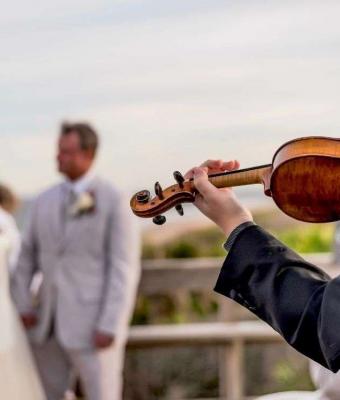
(89, 264)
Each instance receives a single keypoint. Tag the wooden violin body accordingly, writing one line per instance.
(303, 180)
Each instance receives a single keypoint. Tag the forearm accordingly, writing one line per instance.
(294, 297)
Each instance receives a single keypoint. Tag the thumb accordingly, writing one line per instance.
(202, 183)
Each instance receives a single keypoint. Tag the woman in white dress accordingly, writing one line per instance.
(18, 377)
(8, 226)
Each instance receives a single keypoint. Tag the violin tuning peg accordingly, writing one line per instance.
(159, 220)
(143, 196)
(179, 178)
(159, 190)
(179, 209)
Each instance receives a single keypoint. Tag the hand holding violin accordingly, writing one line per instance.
(219, 205)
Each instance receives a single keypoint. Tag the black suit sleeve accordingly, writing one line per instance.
(296, 298)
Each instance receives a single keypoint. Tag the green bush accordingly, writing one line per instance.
(182, 249)
(309, 239)
(291, 377)
(304, 238)
(202, 243)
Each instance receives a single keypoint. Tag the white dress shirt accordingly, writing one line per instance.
(81, 184)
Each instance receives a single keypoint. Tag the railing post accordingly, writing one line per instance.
(231, 385)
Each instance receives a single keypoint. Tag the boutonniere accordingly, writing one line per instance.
(84, 204)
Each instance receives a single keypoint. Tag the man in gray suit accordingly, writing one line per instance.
(81, 239)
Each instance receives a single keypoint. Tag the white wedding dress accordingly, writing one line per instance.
(18, 376)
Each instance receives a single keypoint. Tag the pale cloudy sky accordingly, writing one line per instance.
(168, 84)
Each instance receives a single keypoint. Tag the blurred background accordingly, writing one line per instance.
(169, 84)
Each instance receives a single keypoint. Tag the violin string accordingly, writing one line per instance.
(236, 171)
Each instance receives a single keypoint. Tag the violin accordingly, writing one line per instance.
(303, 180)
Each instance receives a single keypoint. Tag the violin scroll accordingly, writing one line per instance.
(145, 206)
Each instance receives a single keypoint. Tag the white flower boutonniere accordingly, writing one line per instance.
(84, 204)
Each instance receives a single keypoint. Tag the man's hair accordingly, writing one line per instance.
(88, 137)
(8, 201)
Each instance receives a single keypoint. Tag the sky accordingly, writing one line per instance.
(167, 84)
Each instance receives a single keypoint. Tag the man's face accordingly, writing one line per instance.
(72, 160)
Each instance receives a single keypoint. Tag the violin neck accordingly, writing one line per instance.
(248, 176)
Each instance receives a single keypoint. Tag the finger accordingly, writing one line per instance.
(230, 165)
(190, 173)
(220, 165)
(202, 184)
(212, 164)
(200, 203)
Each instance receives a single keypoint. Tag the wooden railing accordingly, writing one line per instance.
(171, 276)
